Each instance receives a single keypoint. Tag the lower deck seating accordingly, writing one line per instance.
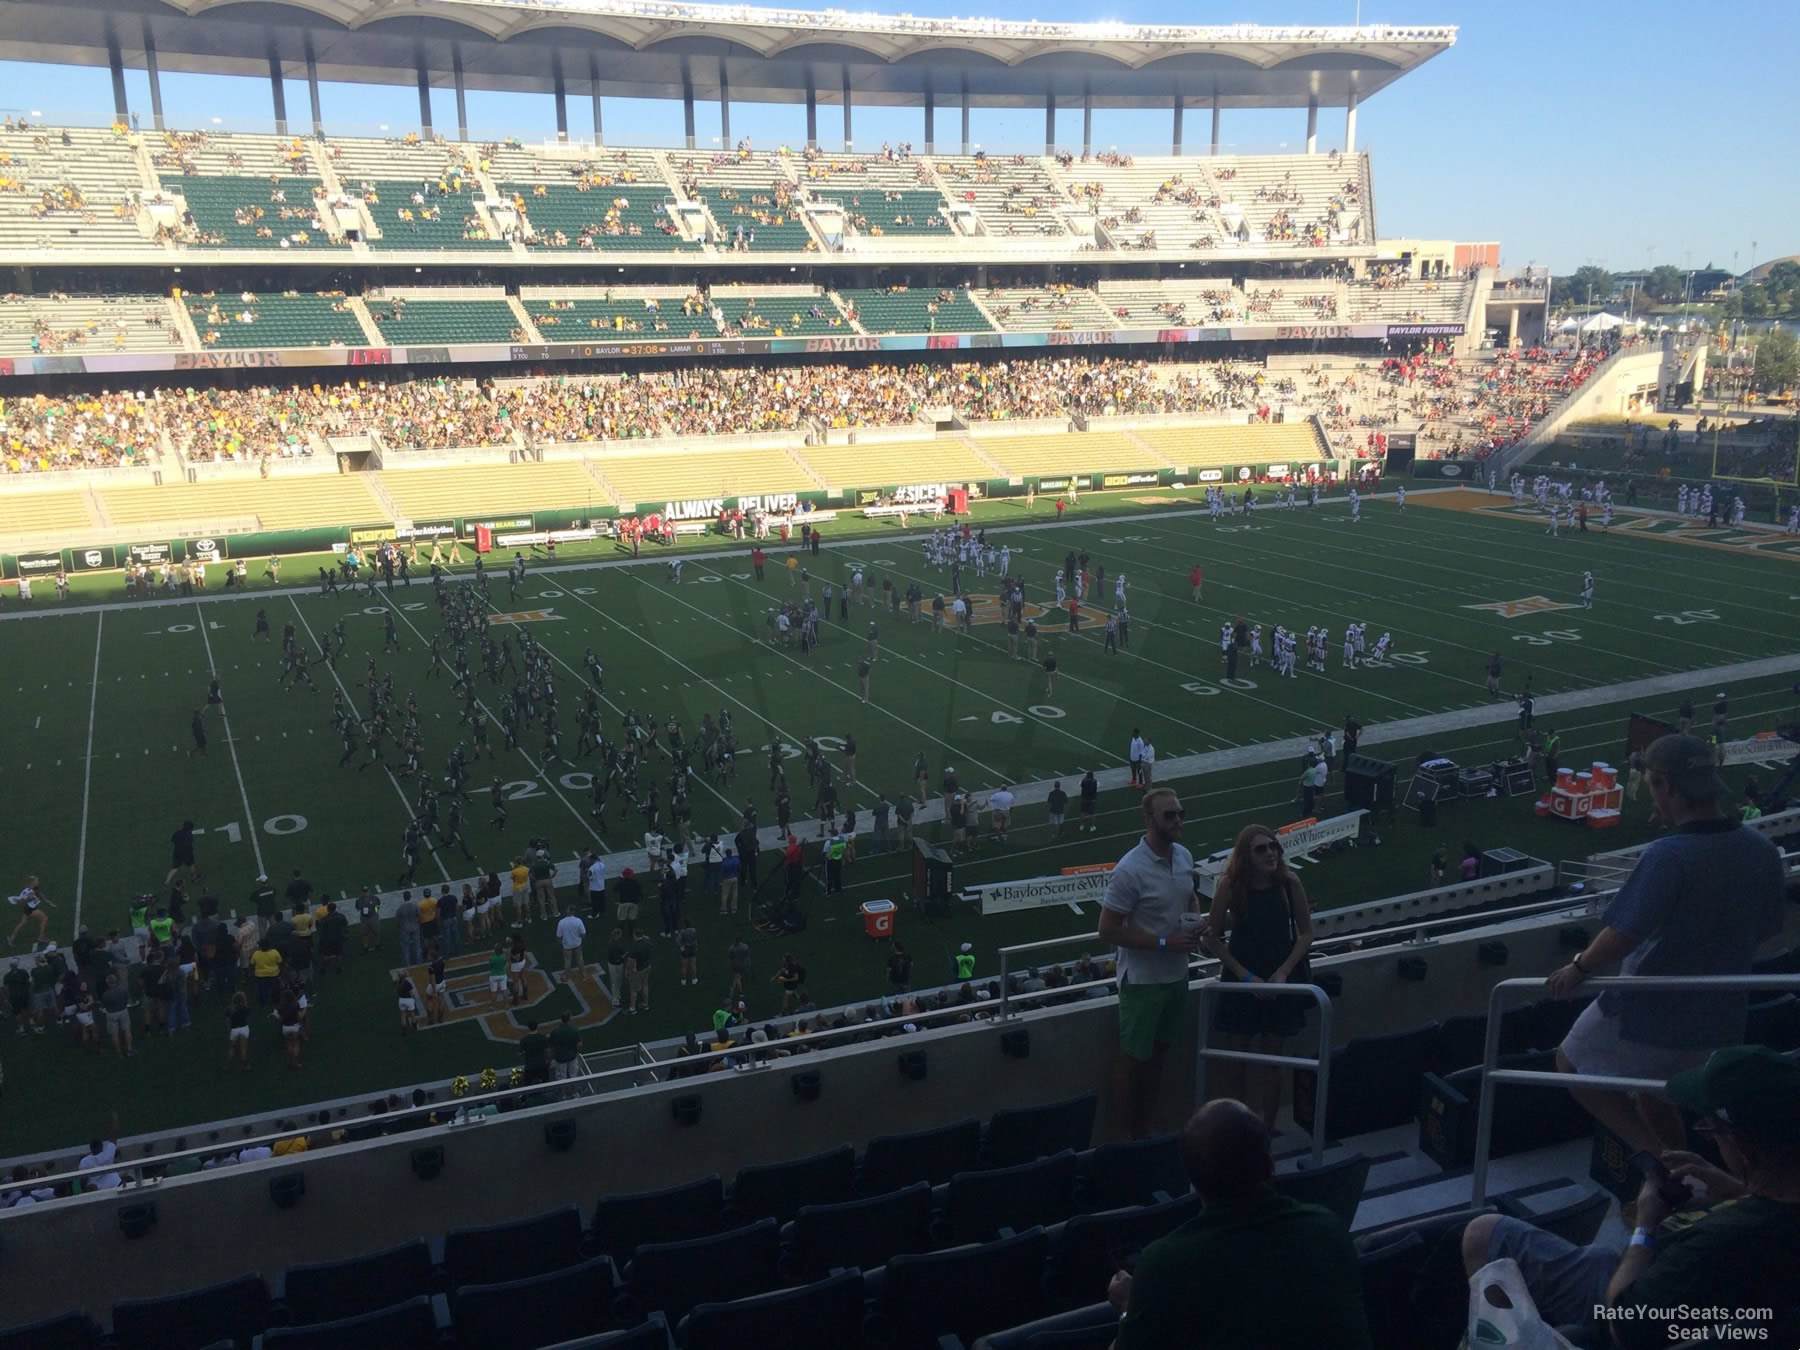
(278, 503)
(674, 475)
(30, 512)
(1069, 452)
(426, 494)
(945, 459)
(1226, 445)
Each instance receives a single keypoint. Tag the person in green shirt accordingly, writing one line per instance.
(534, 1050)
(1728, 1246)
(497, 981)
(1283, 1273)
(565, 1047)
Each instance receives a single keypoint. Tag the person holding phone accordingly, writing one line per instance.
(1708, 1239)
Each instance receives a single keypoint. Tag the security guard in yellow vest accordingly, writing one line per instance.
(965, 962)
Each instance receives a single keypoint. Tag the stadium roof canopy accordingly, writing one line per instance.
(746, 54)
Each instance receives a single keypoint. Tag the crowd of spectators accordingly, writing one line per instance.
(1463, 409)
(40, 434)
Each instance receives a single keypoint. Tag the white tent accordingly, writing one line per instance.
(1601, 323)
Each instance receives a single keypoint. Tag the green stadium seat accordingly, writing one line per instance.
(217, 202)
(275, 321)
(426, 322)
(900, 309)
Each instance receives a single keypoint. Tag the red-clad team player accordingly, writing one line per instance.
(1197, 579)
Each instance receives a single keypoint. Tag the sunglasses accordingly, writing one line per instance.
(1266, 846)
(1176, 814)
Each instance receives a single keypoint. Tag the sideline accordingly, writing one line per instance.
(770, 837)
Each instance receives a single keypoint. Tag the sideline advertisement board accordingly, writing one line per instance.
(1004, 897)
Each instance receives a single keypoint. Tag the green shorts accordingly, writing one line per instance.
(1151, 1015)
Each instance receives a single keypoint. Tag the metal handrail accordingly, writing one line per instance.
(1198, 969)
(1646, 984)
(752, 1055)
(1320, 1063)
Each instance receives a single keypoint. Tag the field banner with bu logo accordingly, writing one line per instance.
(1003, 897)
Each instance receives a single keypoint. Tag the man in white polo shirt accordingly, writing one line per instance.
(570, 932)
(1136, 754)
(1147, 895)
(1000, 805)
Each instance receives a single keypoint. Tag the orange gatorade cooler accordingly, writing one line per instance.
(878, 918)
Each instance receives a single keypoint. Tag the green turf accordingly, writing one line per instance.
(697, 647)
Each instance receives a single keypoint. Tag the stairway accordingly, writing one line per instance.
(607, 489)
(526, 326)
(366, 321)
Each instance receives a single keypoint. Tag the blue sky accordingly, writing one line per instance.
(1621, 134)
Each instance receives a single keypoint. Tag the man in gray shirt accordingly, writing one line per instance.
(1146, 896)
(1700, 901)
(406, 918)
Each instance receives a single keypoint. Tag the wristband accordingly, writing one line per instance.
(1162, 944)
(1642, 1237)
(1575, 961)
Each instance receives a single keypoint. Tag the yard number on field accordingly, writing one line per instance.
(1549, 637)
(234, 832)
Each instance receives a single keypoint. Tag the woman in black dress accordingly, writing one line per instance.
(1262, 905)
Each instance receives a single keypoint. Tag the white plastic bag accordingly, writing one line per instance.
(1502, 1313)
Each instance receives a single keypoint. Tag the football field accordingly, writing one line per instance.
(96, 745)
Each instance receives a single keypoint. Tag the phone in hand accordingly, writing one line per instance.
(1674, 1193)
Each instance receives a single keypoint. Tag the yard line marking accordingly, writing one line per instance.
(398, 790)
(231, 744)
(542, 773)
(87, 776)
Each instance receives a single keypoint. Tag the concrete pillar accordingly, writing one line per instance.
(1215, 135)
(1049, 122)
(1087, 122)
(462, 91)
(1312, 126)
(965, 118)
(1512, 325)
(116, 60)
(849, 140)
(930, 122)
(424, 97)
(594, 90)
(812, 118)
(151, 69)
(280, 92)
(687, 104)
(560, 92)
(1350, 125)
(312, 88)
(724, 106)
(1176, 141)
